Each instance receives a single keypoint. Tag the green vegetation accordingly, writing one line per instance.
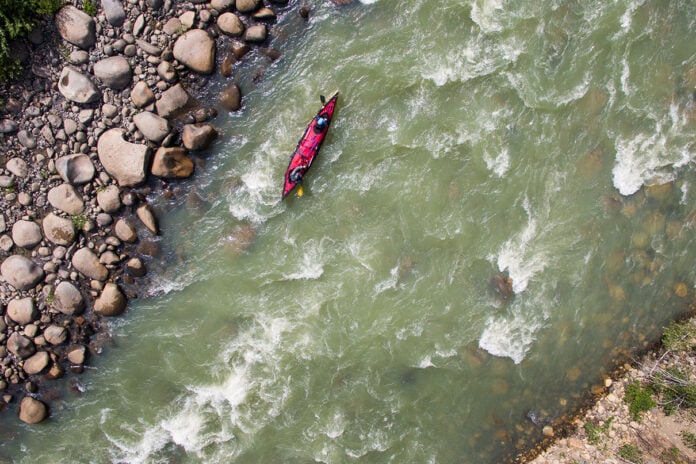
(677, 391)
(689, 440)
(17, 19)
(671, 456)
(639, 399)
(679, 336)
(595, 432)
(79, 220)
(631, 453)
(89, 7)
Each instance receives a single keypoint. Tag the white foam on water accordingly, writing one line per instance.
(486, 14)
(388, 283)
(646, 160)
(510, 335)
(499, 164)
(368, 2)
(518, 257)
(311, 266)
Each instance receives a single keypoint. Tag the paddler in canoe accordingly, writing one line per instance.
(308, 146)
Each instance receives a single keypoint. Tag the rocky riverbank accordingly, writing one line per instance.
(610, 432)
(106, 110)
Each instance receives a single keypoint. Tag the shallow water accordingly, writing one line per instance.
(550, 141)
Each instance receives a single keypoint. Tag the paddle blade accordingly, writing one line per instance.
(323, 99)
(300, 191)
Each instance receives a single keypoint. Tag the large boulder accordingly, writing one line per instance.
(76, 27)
(124, 161)
(21, 272)
(173, 101)
(196, 50)
(230, 24)
(65, 198)
(85, 261)
(247, 6)
(55, 334)
(68, 299)
(22, 311)
(155, 128)
(111, 302)
(114, 11)
(198, 136)
(147, 216)
(75, 169)
(32, 411)
(20, 346)
(77, 87)
(26, 234)
(125, 231)
(256, 33)
(142, 95)
(59, 230)
(231, 97)
(114, 72)
(36, 363)
(109, 199)
(172, 162)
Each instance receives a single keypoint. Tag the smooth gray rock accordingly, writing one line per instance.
(36, 363)
(247, 6)
(68, 299)
(26, 234)
(141, 95)
(22, 311)
(114, 72)
(114, 11)
(222, 5)
(148, 48)
(17, 166)
(85, 261)
(111, 302)
(20, 346)
(124, 161)
(155, 128)
(66, 198)
(75, 169)
(77, 354)
(125, 231)
(172, 101)
(21, 272)
(147, 217)
(32, 411)
(256, 33)
(167, 72)
(198, 136)
(59, 230)
(109, 199)
(55, 334)
(196, 50)
(76, 26)
(77, 87)
(231, 97)
(230, 24)
(8, 126)
(172, 163)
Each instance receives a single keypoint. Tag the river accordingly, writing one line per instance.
(548, 141)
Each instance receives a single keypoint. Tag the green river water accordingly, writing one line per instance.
(551, 141)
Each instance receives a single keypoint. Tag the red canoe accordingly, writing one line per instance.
(308, 146)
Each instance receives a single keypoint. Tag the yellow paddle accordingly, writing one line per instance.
(300, 191)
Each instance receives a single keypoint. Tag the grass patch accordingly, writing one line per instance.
(631, 453)
(639, 399)
(79, 220)
(689, 440)
(679, 336)
(89, 7)
(595, 432)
